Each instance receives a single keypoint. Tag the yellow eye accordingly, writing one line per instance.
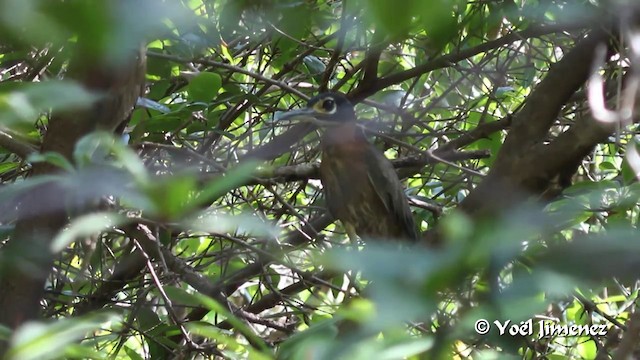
(329, 105)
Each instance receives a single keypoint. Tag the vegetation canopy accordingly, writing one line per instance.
(154, 204)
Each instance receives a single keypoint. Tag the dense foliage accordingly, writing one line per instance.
(195, 224)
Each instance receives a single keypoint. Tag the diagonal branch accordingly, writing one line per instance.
(445, 61)
(281, 143)
(520, 167)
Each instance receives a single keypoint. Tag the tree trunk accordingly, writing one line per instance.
(26, 260)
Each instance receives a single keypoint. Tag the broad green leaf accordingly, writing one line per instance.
(204, 87)
(172, 196)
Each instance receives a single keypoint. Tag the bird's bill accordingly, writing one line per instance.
(298, 115)
(304, 115)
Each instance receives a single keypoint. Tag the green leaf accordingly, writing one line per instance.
(181, 297)
(154, 105)
(81, 351)
(52, 158)
(238, 325)
(587, 348)
(211, 332)
(37, 341)
(86, 225)
(407, 349)
(315, 67)
(223, 184)
(26, 101)
(8, 166)
(147, 318)
(132, 354)
(204, 87)
(5, 332)
(172, 195)
(392, 18)
(95, 148)
(224, 223)
(607, 165)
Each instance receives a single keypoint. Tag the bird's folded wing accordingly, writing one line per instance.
(388, 187)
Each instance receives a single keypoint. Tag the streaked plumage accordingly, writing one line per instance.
(361, 186)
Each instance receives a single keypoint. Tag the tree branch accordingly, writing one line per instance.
(26, 259)
(445, 61)
(519, 169)
(16, 146)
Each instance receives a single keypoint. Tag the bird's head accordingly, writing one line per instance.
(326, 109)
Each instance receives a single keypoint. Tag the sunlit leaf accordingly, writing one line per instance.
(242, 224)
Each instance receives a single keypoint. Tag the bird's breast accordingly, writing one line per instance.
(349, 194)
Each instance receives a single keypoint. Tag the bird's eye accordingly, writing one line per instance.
(329, 105)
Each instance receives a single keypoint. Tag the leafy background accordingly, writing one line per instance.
(194, 226)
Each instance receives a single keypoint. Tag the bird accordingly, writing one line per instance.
(361, 187)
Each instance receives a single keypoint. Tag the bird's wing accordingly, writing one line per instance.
(389, 189)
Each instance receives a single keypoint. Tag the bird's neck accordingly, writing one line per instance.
(343, 134)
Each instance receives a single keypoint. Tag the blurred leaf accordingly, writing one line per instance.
(48, 341)
(85, 225)
(172, 195)
(445, 80)
(315, 341)
(504, 92)
(211, 332)
(204, 87)
(406, 349)
(223, 184)
(315, 67)
(5, 332)
(11, 192)
(96, 146)
(24, 102)
(242, 224)
(181, 297)
(587, 349)
(213, 305)
(394, 20)
(8, 166)
(147, 319)
(150, 104)
(52, 158)
(617, 251)
(79, 351)
(399, 278)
